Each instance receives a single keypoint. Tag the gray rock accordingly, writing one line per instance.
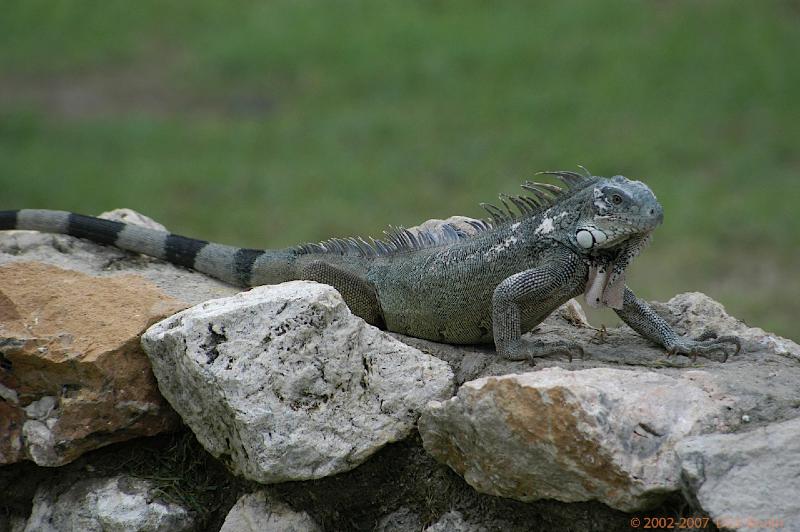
(103, 505)
(435, 225)
(257, 512)
(129, 216)
(746, 481)
(596, 434)
(453, 521)
(401, 520)
(42, 408)
(12, 523)
(285, 383)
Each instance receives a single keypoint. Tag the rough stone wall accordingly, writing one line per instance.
(384, 432)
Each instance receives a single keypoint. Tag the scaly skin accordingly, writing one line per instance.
(450, 287)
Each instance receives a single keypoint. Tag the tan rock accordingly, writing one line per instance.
(596, 434)
(74, 376)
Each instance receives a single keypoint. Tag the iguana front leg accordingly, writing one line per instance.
(644, 320)
(527, 298)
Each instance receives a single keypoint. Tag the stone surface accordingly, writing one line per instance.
(757, 390)
(453, 520)
(401, 520)
(596, 434)
(746, 481)
(129, 216)
(693, 313)
(105, 504)
(757, 387)
(690, 314)
(284, 383)
(74, 375)
(435, 225)
(405, 520)
(256, 512)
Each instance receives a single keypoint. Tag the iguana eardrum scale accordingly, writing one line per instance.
(524, 262)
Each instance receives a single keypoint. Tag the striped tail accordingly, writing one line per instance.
(238, 266)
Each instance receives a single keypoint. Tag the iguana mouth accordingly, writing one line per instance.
(605, 286)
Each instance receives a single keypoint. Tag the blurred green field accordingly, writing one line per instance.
(268, 124)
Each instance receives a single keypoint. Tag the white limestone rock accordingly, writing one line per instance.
(596, 434)
(256, 512)
(746, 481)
(105, 504)
(454, 521)
(401, 520)
(284, 383)
(129, 216)
(436, 226)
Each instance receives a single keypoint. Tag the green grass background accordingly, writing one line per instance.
(271, 123)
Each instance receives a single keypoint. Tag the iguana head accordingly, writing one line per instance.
(607, 221)
(616, 219)
(614, 211)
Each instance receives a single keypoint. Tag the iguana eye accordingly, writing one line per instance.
(616, 199)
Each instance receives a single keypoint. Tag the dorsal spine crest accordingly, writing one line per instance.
(541, 196)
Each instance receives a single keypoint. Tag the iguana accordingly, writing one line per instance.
(491, 285)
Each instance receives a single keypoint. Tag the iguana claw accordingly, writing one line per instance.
(531, 350)
(569, 347)
(704, 345)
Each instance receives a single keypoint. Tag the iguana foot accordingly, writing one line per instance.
(705, 345)
(530, 350)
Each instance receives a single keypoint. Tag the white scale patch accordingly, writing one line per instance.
(545, 227)
(498, 248)
(600, 201)
(548, 224)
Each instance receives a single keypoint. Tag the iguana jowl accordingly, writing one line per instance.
(553, 244)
